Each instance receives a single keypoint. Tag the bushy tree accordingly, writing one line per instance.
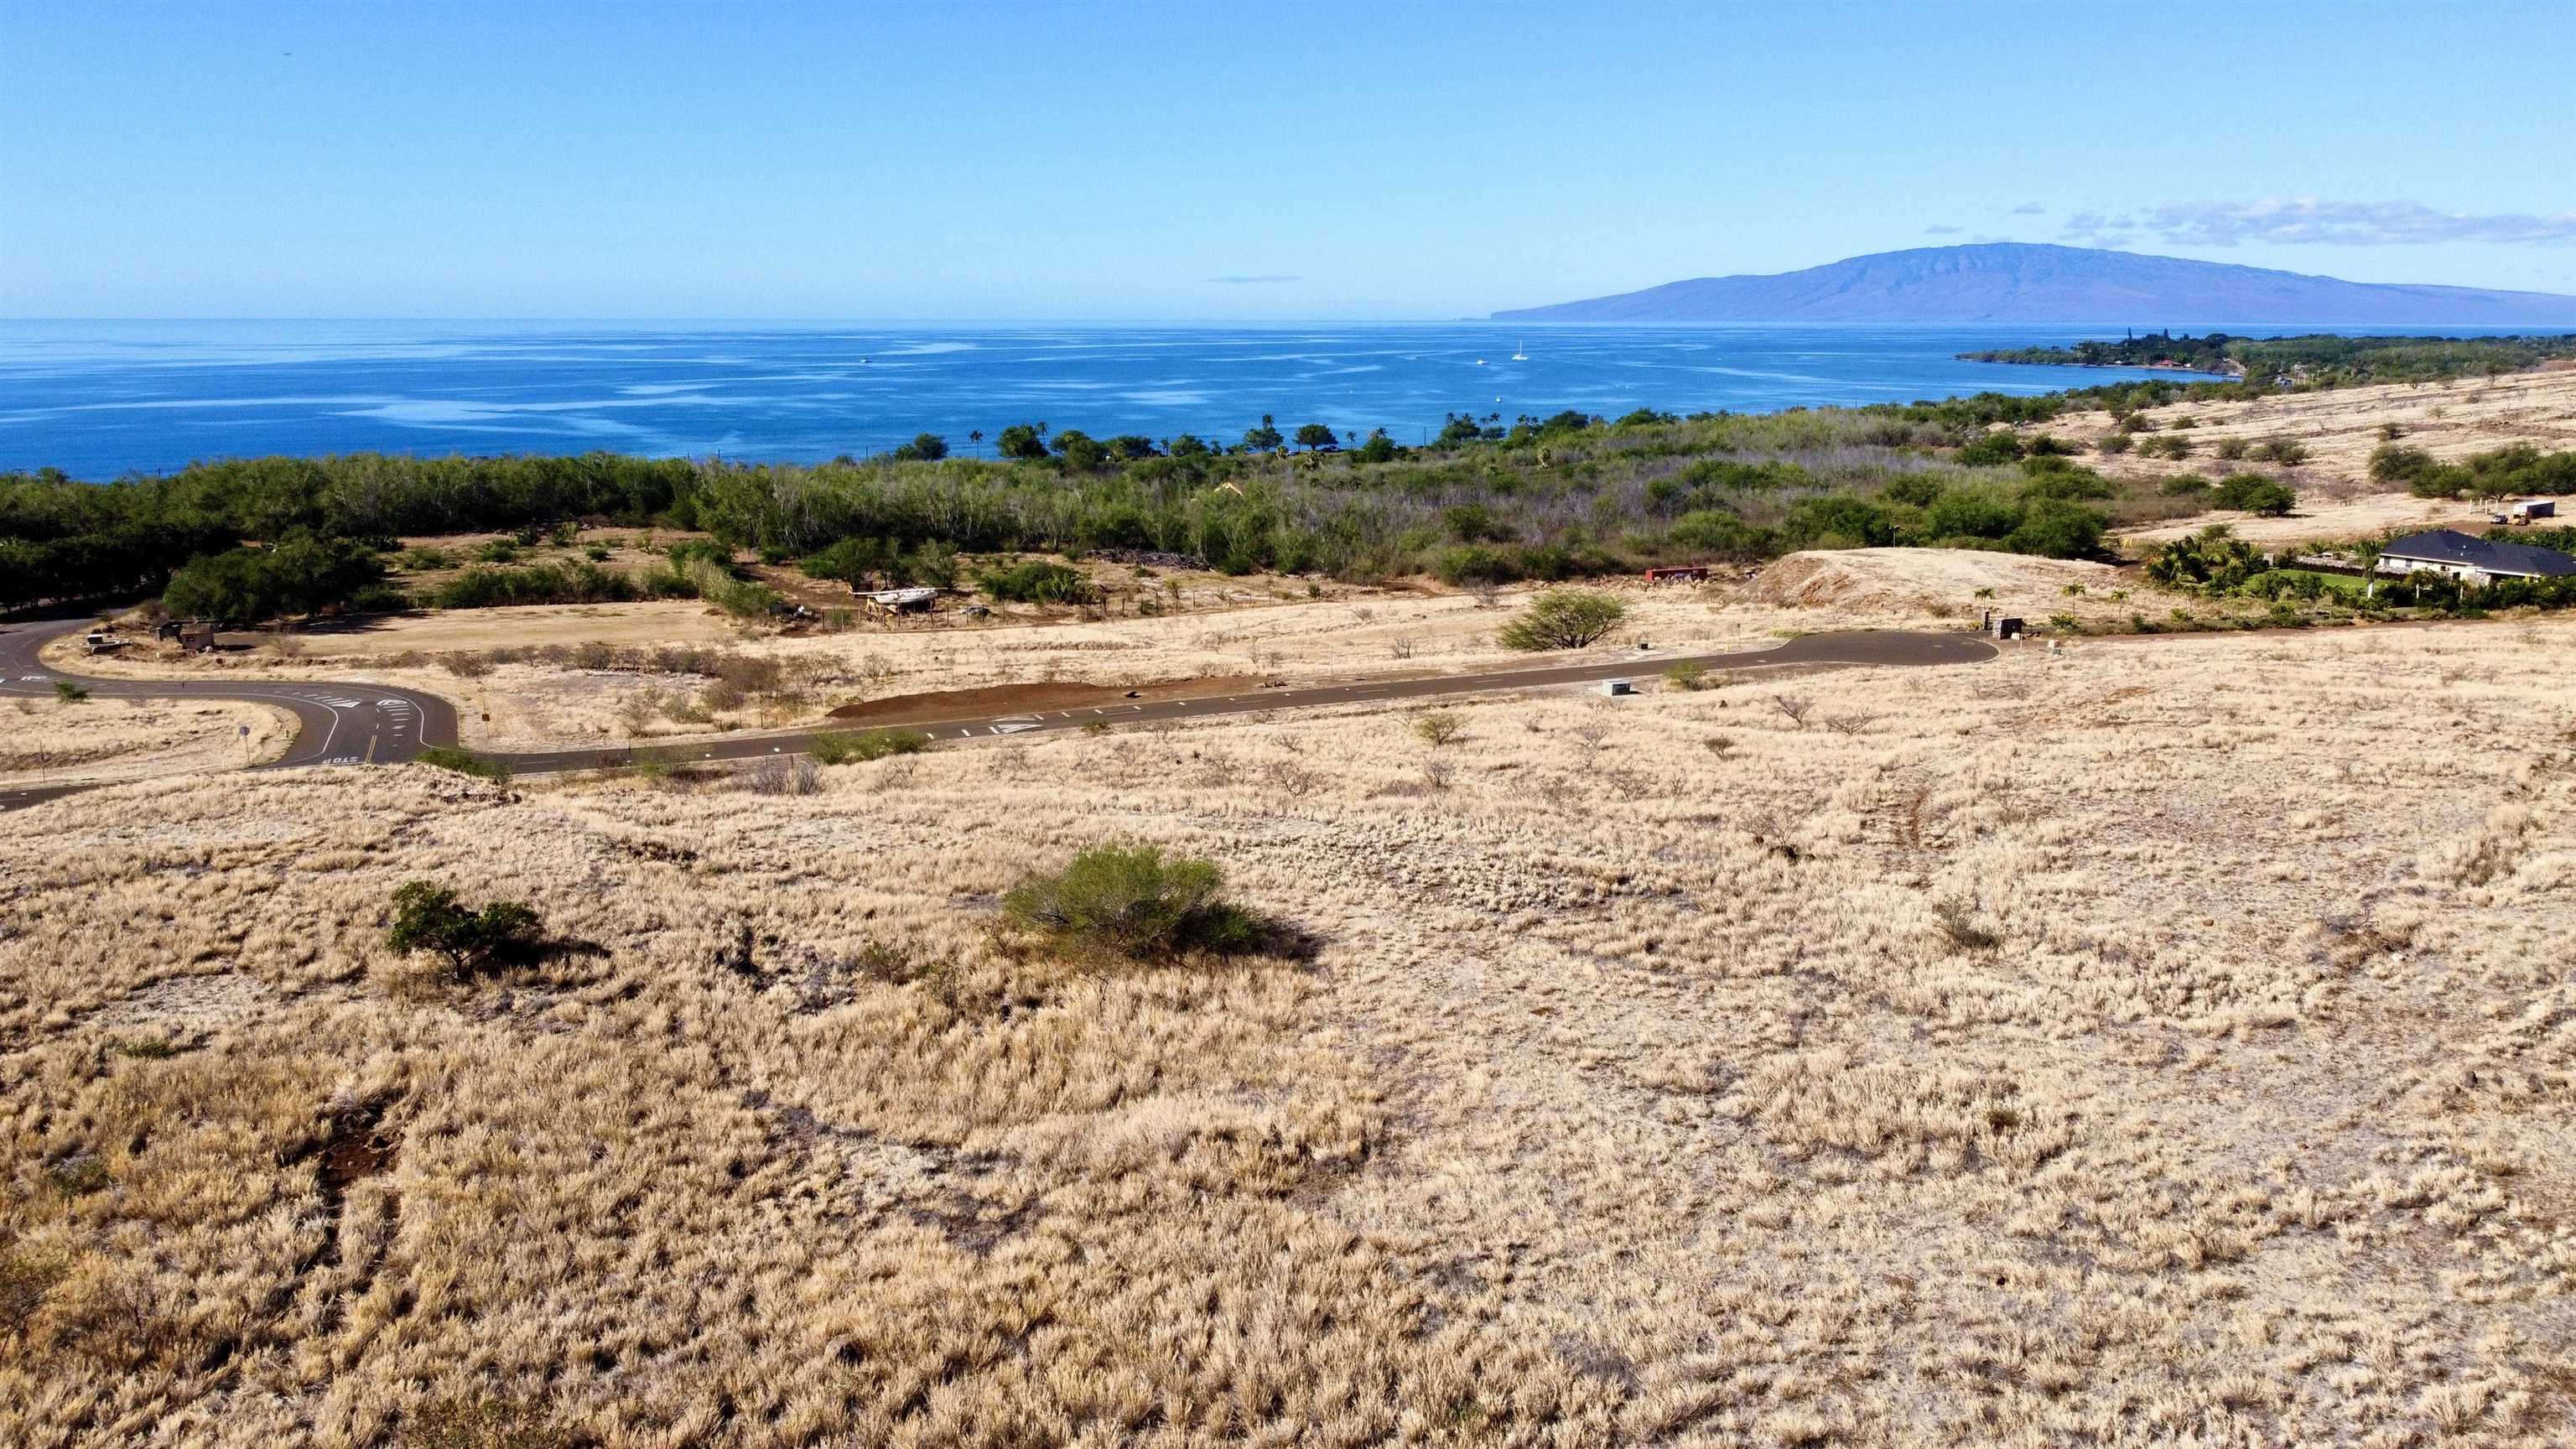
(1133, 901)
(302, 575)
(1316, 435)
(2253, 493)
(429, 917)
(1022, 442)
(1080, 451)
(924, 448)
(2055, 528)
(1563, 619)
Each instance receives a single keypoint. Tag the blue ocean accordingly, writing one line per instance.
(100, 399)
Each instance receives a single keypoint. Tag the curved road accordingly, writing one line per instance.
(346, 724)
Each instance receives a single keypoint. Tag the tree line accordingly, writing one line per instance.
(1537, 497)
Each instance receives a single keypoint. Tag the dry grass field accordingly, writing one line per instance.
(2165, 1041)
(2339, 428)
(50, 742)
(555, 699)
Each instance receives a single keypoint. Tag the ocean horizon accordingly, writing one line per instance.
(99, 399)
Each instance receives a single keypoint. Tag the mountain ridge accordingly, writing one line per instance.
(2037, 282)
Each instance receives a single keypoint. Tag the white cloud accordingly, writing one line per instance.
(2027, 208)
(1941, 231)
(2307, 221)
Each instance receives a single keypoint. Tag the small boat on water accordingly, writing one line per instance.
(1517, 354)
(1480, 362)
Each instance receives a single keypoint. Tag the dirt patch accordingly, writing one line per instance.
(186, 1004)
(1913, 581)
(996, 698)
(355, 1150)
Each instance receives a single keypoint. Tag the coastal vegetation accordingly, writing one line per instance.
(1539, 498)
(2310, 361)
(1490, 501)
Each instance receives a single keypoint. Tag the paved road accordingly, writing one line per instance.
(355, 723)
(336, 723)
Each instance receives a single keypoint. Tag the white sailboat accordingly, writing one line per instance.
(1517, 354)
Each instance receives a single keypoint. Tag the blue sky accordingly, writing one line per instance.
(1388, 160)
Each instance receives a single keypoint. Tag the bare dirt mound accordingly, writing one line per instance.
(996, 698)
(1920, 580)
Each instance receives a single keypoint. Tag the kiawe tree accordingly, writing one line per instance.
(1316, 435)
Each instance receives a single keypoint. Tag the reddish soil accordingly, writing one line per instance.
(994, 699)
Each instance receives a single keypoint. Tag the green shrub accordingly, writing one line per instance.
(1562, 619)
(68, 692)
(488, 588)
(1036, 582)
(428, 917)
(2253, 493)
(841, 746)
(1133, 901)
(1690, 677)
(466, 762)
(1436, 727)
(1995, 447)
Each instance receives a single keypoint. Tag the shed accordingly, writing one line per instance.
(197, 638)
(2531, 508)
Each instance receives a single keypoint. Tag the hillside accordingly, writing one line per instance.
(2018, 282)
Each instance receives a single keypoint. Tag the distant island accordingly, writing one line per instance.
(2014, 282)
(2314, 360)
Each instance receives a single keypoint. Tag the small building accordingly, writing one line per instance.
(197, 638)
(2521, 513)
(1685, 574)
(2471, 560)
(1617, 687)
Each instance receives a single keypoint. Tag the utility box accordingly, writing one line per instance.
(1617, 687)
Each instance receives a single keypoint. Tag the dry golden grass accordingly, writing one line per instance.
(1936, 587)
(2161, 1042)
(2339, 428)
(50, 742)
(534, 704)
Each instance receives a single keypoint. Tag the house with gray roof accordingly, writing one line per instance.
(2472, 560)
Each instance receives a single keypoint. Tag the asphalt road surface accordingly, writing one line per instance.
(335, 723)
(350, 724)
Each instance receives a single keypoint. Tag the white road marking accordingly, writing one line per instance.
(1012, 729)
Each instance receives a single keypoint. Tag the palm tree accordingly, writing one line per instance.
(977, 438)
